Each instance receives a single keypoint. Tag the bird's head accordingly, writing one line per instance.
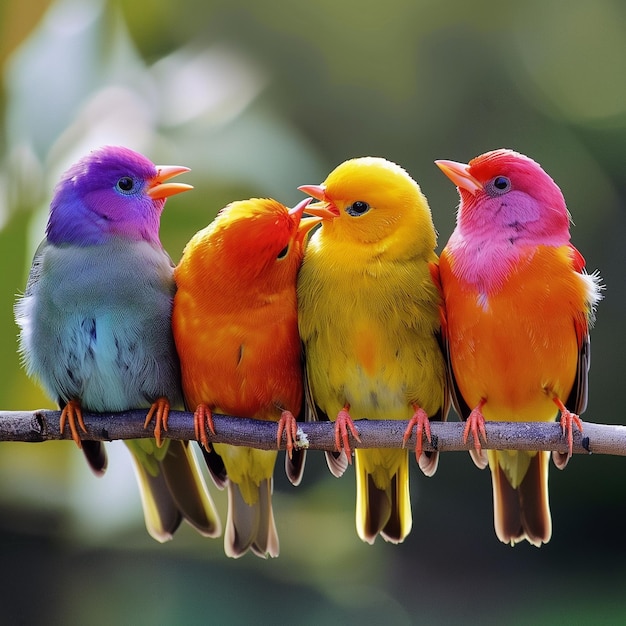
(370, 200)
(506, 192)
(112, 192)
(257, 241)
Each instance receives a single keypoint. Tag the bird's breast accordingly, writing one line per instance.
(516, 346)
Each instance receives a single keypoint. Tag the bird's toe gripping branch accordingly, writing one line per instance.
(475, 424)
(160, 411)
(421, 423)
(343, 424)
(73, 414)
(568, 420)
(287, 424)
(203, 419)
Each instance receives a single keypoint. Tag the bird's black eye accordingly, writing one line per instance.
(358, 208)
(125, 184)
(283, 253)
(499, 185)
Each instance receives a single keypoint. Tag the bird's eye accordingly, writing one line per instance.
(283, 253)
(499, 185)
(125, 184)
(358, 208)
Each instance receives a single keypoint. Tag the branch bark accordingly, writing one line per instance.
(43, 425)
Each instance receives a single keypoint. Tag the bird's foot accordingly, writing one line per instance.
(475, 424)
(203, 418)
(568, 420)
(73, 414)
(287, 424)
(343, 424)
(421, 423)
(160, 411)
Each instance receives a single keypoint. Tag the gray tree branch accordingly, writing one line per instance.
(43, 425)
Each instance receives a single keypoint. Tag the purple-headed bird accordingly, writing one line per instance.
(96, 324)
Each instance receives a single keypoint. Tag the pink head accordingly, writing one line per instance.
(507, 196)
(112, 192)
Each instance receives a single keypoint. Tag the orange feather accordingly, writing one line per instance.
(236, 330)
(518, 305)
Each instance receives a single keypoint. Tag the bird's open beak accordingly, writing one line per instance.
(324, 209)
(160, 189)
(305, 224)
(459, 174)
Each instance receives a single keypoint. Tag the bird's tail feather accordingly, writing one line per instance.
(189, 490)
(385, 511)
(96, 456)
(251, 527)
(523, 512)
(172, 489)
(161, 514)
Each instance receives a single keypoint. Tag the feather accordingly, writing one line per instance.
(369, 320)
(95, 320)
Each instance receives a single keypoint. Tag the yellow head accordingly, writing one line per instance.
(370, 200)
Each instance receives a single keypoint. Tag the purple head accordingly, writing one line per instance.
(112, 192)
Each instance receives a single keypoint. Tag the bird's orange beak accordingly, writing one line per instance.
(159, 189)
(324, 209)
(305, 224)
(459, 174)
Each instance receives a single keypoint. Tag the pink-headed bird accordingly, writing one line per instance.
(518, 307)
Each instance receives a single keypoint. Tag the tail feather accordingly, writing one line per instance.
(561, 459)
(161, 514)
(428, 462)
(395, 530)
(96, 456)
(294, 466)
(383, 510)
(337, 463)
(215, 465)
(251, 527)
(188, 489)
(523, 512)
(172, 489)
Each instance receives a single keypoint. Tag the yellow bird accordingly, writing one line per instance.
(369, 321)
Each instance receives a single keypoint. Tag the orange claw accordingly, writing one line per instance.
(160, 410)
(421, 423)
(568, 419)
(476, 423)
(202, 418)
(71, 414)
(287, 424)
(342, 425)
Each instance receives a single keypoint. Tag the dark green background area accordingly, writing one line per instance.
(258, 98)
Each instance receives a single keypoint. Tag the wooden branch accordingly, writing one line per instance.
(43, 425)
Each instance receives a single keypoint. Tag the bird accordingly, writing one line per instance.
(235, 327)
(518, 306)
(95, 324)
(370, 325)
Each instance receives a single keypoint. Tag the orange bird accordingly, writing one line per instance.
(236, 330)
(518, 307)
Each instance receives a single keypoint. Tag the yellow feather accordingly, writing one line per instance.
(368, 310)
(248, 468)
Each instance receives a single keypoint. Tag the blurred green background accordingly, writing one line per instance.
(258, 97)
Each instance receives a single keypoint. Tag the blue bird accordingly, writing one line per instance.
(95, 324)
